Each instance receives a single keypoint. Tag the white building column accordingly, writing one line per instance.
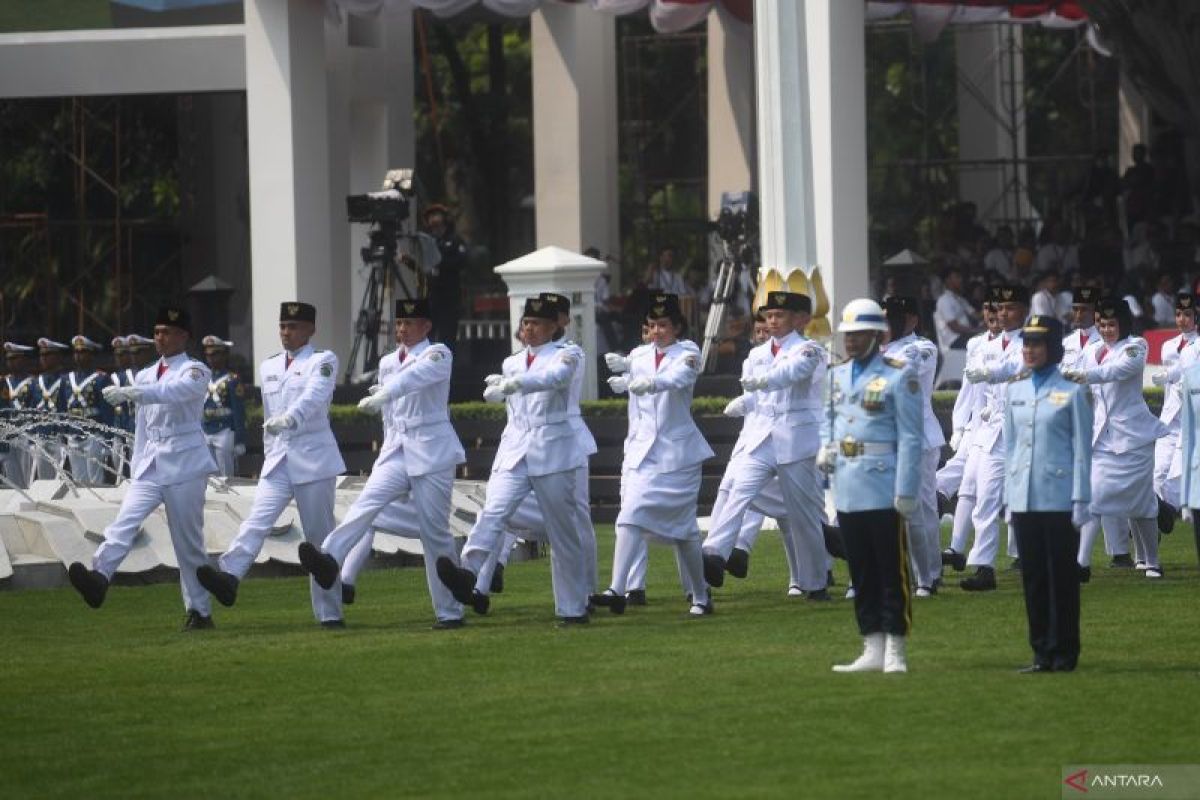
(370, 131)
(1134, 121)
(991, 120)
(575, 130)
(290, 245)
(731, 142)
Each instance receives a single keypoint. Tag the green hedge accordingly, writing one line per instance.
(701, 406)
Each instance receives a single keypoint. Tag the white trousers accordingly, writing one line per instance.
(314, 500)
(556, 491)
(924, 529)
(431, 505)
(357, 558)
(185, 519)
(221, 445)
(1167, 486)
(802, 496)
(688, 555)
(86, 456)
(985, 517)
(950, 476)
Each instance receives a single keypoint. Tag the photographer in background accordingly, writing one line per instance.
(445, 287)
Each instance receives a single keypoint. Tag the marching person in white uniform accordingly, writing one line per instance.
(170, 467)
(1002, 360)
(417, 460)
(781, 439)
(1178, 353)
(539, 452)
(301, 460)
(664, 454)
(19, 395)
(925, 528)
(1189, 453)
(1083, 319)
(1122, 442)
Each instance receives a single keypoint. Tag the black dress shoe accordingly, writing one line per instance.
(1037, 666)
(829, 579)
(460, 582)
(1065, 664)
(984, 580)
(953, 558)
(835, 545)
(609, 599)
(333, 623)
(89, 583)
(636, 597)
(1015, 565)
(738, 564)
(322, 566)
(1166, 516)
(701, 609)
(1085, 574)
(448, 624)
(348, 594)
(943, 504)
(714, 569)
(1121, 561)
(220, 585)
(195, 621)
(570, 622)
(817, 596)
(497, 586)
(480, 602)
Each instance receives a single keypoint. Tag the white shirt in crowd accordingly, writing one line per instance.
(1164, 310)
(951, 307)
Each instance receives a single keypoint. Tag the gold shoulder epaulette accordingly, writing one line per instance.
(894, 363)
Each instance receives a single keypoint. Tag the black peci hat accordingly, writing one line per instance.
(537, 308)
(560, 301)
(901, 304)
(664, 304)
(1010, 293)
(1085, 295)
(410, 309)
(787, 301)
(174, 316)
(1185, 301)
(295, 311)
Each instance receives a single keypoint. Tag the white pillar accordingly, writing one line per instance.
(370, 131)
(991, 120)
(289, 169)
(1133, 119)
(731, 145)
(575, 127)
(555, 269)
(837, 68)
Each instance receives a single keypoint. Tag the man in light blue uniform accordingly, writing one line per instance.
(1048, 461)
(874, 437)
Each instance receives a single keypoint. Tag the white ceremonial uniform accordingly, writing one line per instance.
(781, 439)
(539, 452)
(661, 472)
(1124, 432)
(1178, 353)
(1003, 360)
(1189, 490)
(420, 451)
(170, 466)
(925, 525)
(301, 464)
(1074, 343)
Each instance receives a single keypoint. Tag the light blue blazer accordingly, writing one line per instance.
(1048, 444)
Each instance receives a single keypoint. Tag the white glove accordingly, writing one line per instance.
(510, 385)
(279, 424)
(1080, 514)
(619, 384)
(975, 374)
(956, 439)
(641, 385)
(373, 403)
(239, 450)
(1186, 514)
(905, 506)
(985, 413)
(1159, 379)
(1075, 375)
(616, 362)
(115, 395)
(493, 379)
(753, 384)
(827, 459)
(493, 394)
(736, 407)
(374, 387)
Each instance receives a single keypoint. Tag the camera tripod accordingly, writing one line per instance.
(727, 272)
(385, 283)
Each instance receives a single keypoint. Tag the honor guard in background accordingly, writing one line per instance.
(539, 452)
(417, 460)
(874, 436)
(20, 394)
(925, 528)
(141, 351)
(1177, 354)
(1122, 443)
(301, 460)
(170, 467)
(1047, 439)
(1083, 323)
(224, 408)
(786, 376)
(1002, 360)
(664, 455)
(122, 375)
(82, 391)
(49, 388)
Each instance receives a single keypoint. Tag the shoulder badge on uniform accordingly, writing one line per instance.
(692, 362)
(566, 356)
(810, 352)
(1133, 352)
(435, 355)
(196, 374)
(326, 370)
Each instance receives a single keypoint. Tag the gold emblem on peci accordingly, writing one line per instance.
(293, 308)
(173, 315)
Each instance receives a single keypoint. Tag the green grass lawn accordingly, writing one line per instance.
(116, 702)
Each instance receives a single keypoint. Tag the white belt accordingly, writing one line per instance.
(538, 422)
(170, 432)
(772, 410)
(402, 424)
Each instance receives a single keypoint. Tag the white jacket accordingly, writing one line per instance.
(923, 355)
(303, 391)
(788, 411)
(1177, 354)
(416, 420)
(539, 428)
(1002, 363)
(168, 435)
(661, 429)
(1122, 420)
(1073, 348)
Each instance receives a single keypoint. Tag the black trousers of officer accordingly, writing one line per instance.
(877, 552)
(1049, 546)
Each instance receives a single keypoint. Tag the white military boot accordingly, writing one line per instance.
(894, 658)
(871, 659)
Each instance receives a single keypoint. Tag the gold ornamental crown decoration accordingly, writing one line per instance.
(173, 315)
(1006, 293)
(409, 307)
